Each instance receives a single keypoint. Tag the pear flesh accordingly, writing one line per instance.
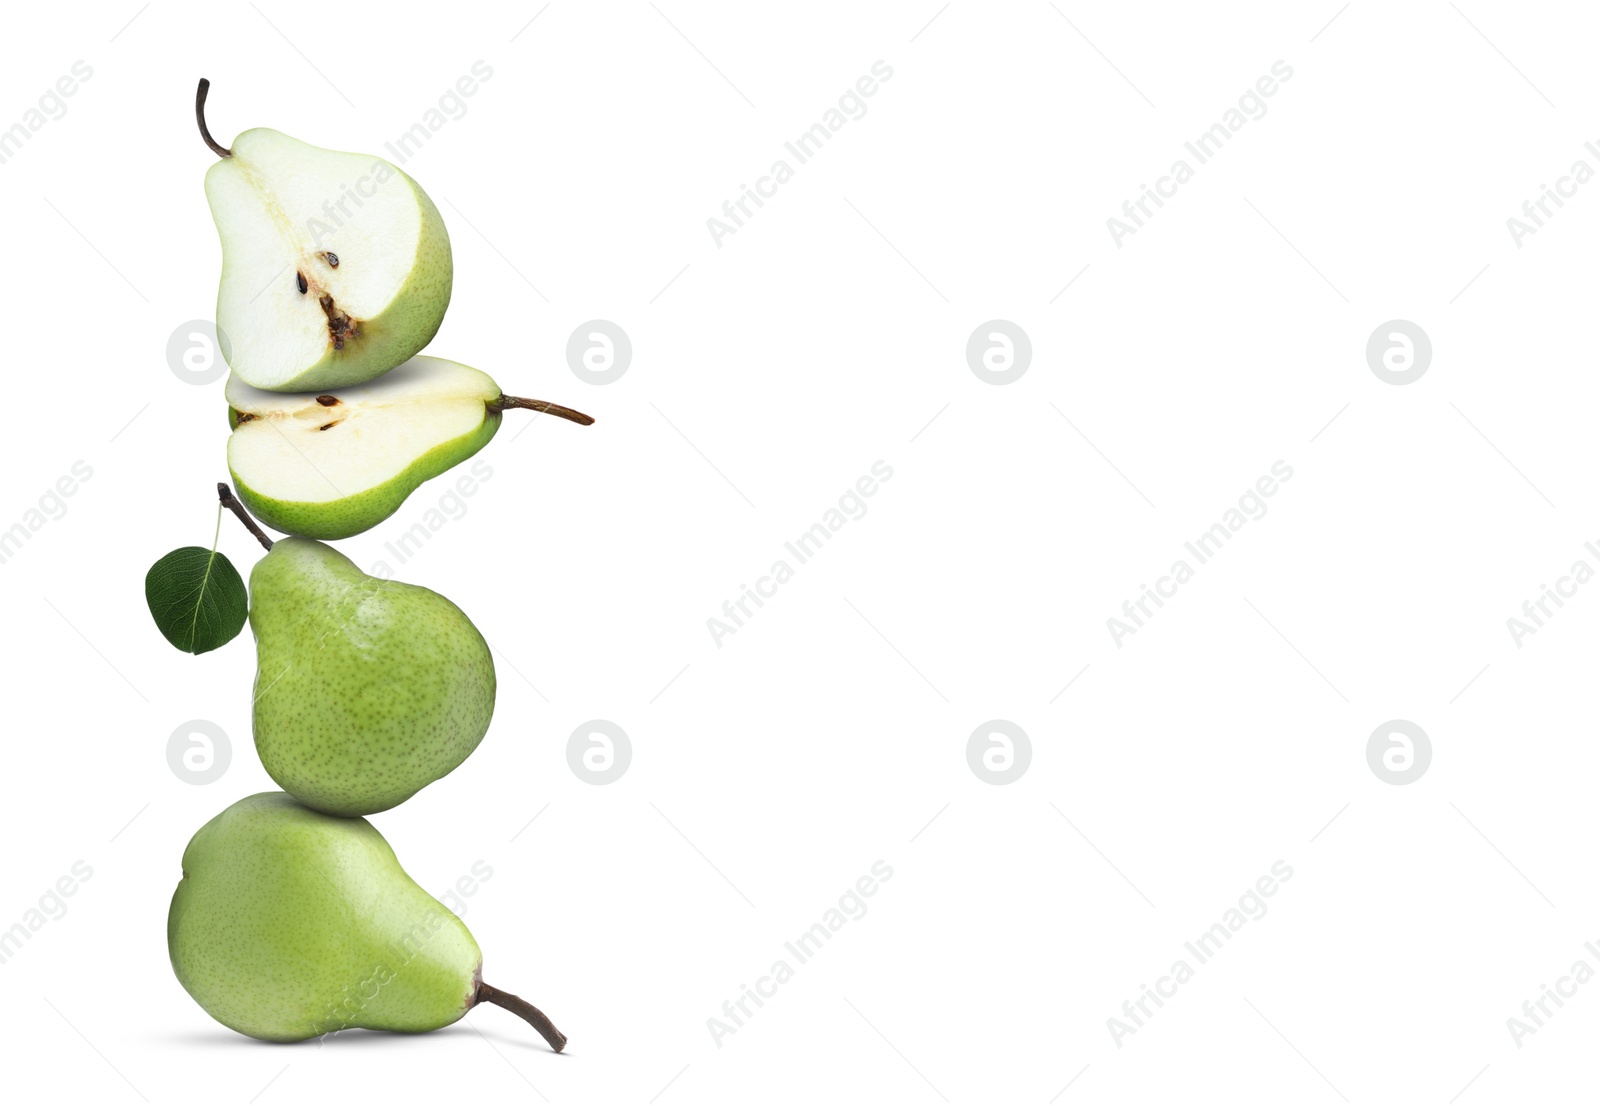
(336, 267)
(367, 690)
(333, 464)
(289, 924)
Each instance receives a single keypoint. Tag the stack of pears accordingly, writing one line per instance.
(294, 919)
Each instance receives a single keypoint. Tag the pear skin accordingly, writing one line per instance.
(289, 924)
(367, 690)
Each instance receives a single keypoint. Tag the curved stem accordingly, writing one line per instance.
(200, 117)
(506, 403)
(524, 1010)
(225, 496)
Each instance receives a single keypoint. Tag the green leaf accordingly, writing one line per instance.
(197, 598)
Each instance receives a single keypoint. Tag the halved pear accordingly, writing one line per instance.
(335, 266)
(335, 463)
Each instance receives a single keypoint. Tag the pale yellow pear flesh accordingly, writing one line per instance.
(336, 267)
(336, 463)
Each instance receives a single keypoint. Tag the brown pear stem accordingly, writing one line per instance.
(200, 117)
(505, 403)
(225, 494)
(525, 1010)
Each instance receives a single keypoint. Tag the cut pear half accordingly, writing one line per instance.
(336, 267)
(336, 463)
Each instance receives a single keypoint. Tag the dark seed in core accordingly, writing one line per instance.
(333, 258)
(301, 280)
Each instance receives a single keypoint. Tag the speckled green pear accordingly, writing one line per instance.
(367, 690)
(289, 924)
(335, 463)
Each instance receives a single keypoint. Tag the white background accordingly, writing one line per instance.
(769, 374)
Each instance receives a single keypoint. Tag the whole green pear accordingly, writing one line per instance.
(367, 690)
(289, 924)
